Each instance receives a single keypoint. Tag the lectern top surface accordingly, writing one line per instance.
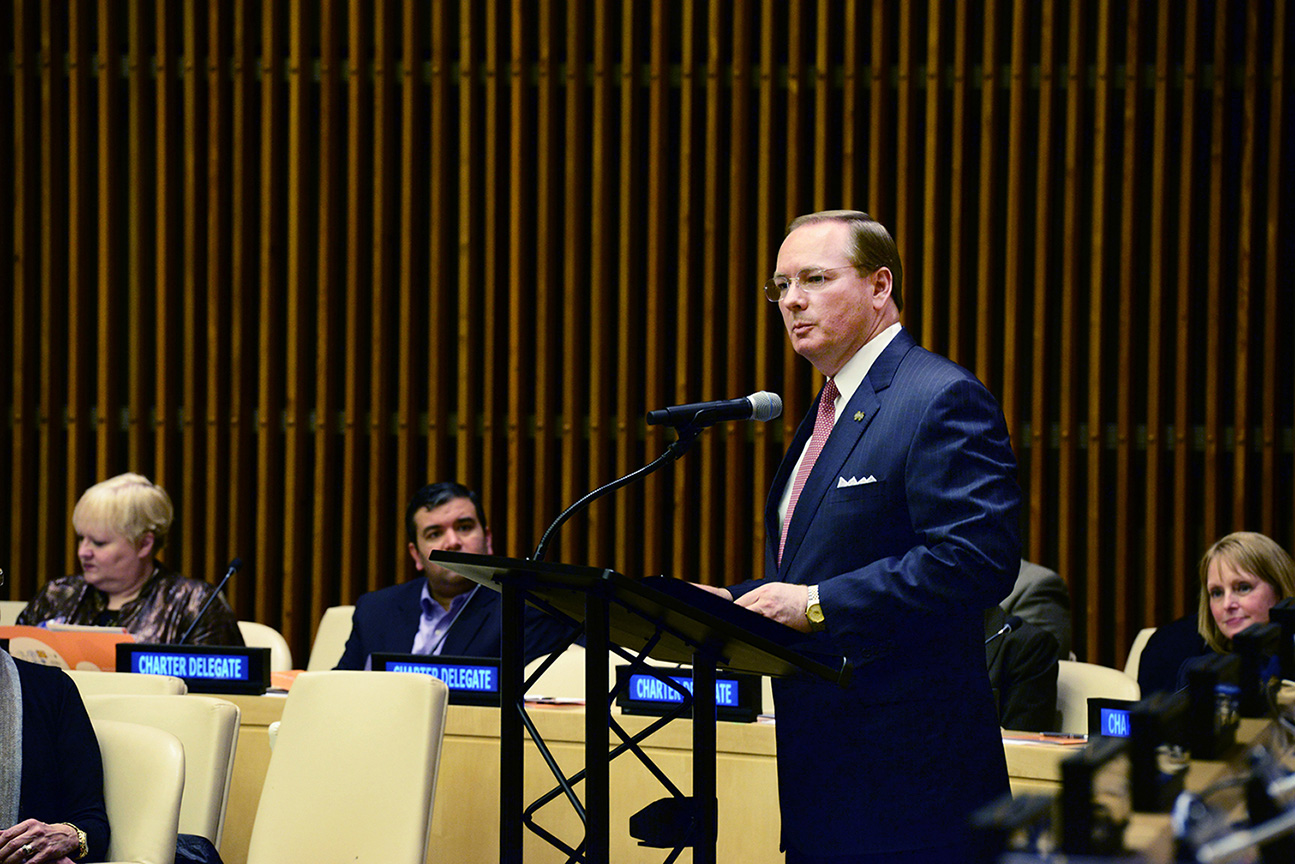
(683, 618)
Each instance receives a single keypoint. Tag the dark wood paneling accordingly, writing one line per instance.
(292, 260)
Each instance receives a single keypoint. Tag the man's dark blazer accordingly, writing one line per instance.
(908, 523)
(1041, 597)
(386, 621)
(1023, 672)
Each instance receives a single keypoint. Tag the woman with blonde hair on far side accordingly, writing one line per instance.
(121, 524)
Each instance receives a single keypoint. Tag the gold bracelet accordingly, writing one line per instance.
(83, 845)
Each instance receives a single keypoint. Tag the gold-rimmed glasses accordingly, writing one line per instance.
(811, 279)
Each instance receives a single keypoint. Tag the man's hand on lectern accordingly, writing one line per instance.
(781, 601)
(723, 592)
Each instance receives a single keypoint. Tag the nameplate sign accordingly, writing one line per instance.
(472, 680)
(1110, 718)
(737, 694)
(204, 668)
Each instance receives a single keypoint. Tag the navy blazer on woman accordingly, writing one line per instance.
(62, 770)
(908, 524)
(386, 621)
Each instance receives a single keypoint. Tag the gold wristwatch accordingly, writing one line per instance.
(814, 611)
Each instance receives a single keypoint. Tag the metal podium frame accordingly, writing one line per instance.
(665, 619)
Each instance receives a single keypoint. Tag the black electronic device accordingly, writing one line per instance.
(1158, 752)
(1213, 695)
(1109, 717)
(239, 670)
(1096, 800)
(1021, 824)
(1259, 647)
(472, 680)
(1262, 805)
(1283, 615)
(657, 691)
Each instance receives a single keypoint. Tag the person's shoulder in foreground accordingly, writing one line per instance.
(62, 770)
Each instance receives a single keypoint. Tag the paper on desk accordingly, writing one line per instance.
(537, 699)
(1050, 738)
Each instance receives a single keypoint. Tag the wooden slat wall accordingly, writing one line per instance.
(292, 259)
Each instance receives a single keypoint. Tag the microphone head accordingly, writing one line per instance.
(1014, 622)
(236, 564)
(765, 405)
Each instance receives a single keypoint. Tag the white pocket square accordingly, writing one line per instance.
(843, 483)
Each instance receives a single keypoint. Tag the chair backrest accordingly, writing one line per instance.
(1135, 653)
(352, 777)
(1078, 682)
(330, 638)
(565, 679)
(258, 635)
(208, 728)
(9, 610)
(143, 779)
(93, 682)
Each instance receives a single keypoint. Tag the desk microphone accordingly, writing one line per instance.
(233, 566)
(762, 406)
(1013, 622)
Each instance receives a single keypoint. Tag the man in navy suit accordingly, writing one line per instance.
(445, 613)
(901, 535)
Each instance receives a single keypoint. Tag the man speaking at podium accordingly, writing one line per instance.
(890, 527)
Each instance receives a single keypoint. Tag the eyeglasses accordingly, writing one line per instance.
(808, 280)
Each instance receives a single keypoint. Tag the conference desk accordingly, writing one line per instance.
(465, 824)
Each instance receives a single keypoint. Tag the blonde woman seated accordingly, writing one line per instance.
(121, 525)
(1243, 576)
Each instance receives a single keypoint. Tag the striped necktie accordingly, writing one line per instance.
(822, 428)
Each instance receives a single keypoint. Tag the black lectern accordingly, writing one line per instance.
(665, 619)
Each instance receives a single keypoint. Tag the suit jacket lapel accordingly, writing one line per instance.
(463, 632)
(409, 611)
(772, 526)
(849, 428)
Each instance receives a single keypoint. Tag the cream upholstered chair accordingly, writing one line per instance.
(207, 726)
(352, 776)
(92, 682)
(565, 679)
(1078, 682)
(9, 610)
(1135, 653)
(258, 635)
(143, 779)
(330, 638)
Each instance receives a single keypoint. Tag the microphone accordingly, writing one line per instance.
(233, 566)
(760, 406)
(1013, 622)
(687, 421)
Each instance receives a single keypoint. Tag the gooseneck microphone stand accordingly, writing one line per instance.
(687, 436)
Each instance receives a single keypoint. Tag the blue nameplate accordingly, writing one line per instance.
(737, 694)
(204, 668)
(1109, 718)
(472, 680)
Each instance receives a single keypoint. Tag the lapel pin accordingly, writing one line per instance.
(858, 415)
